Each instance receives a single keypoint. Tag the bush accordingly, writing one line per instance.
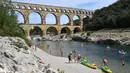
(88, 33)
(28, 42)
(60, 71)
(8, 22)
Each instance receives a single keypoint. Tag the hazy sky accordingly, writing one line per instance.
(82, 4)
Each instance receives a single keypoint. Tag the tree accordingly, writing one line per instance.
(8, 21)
(116, 15)
(76, 22)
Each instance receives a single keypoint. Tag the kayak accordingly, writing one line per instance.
(85, 62)
(91, 66)
(106, 69)
(122, 52)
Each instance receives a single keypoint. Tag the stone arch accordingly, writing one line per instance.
(64, 11)
(60, 10)
(76, 20)
(73, 11)
(80, 12)
(51, 19)
(17, 7)
(92, 13)
(52, 31)
(83, 12)
(40, 8)
(35, 18)
(23, 7)
(64, 19)
(50, 9)
(36, 31)
(46, 9)
(77, 11)
(65, 30)
(76, 30)
(69, 11)
(55, 10)
(20, 16)
(34, 8)
(29, 7)
(86, 12)
(86, 16)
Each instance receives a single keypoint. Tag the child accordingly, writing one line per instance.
(123, 63)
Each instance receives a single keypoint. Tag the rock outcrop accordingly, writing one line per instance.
(115, 36)
(17, 57)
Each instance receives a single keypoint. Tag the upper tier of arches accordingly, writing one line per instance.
(38, 7)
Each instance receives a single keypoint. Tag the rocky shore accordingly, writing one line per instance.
(62, 37)
(17, 57)
(105, 36)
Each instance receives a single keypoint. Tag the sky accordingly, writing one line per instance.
(81, 4)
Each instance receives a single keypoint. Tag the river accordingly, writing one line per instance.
(93, 52)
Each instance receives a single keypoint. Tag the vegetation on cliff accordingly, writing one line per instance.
(9, 25)
(116, 15)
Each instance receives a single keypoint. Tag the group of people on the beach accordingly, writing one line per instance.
(76, 56)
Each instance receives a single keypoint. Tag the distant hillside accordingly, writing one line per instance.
(116, 15)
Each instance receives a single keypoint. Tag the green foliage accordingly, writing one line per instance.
(116, 15)
(20, 44)
(36, 31)
(88, 33)
(76, 22)
(28, 42)
(60, 71)
(8, 21)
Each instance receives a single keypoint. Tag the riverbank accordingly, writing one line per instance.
(106, 36)
(17, 57)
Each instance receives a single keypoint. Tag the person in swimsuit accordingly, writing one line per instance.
(78, 58)
(105, 62)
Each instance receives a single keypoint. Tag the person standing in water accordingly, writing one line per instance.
(105, 62)
(123, 63)
(61, 52)
(50, 52)
(48, 45)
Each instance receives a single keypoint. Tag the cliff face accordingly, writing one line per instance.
(16, 56)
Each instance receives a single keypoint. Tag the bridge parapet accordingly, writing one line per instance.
(49, 8)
